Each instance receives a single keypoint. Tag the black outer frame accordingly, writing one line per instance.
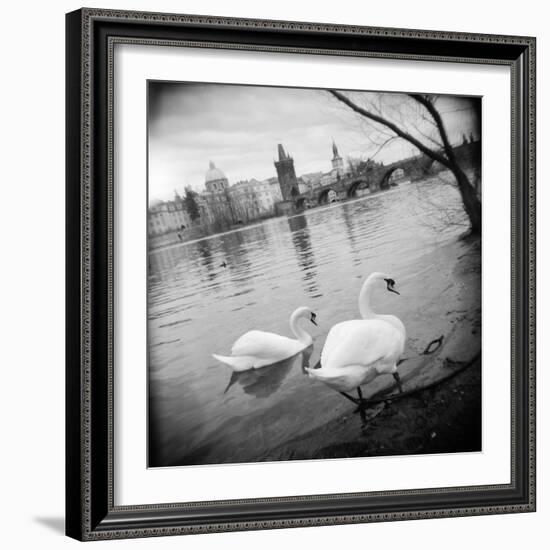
(90, 510)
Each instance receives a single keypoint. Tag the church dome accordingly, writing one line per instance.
(214, 174)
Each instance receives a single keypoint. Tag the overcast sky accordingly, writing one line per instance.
(239, 127)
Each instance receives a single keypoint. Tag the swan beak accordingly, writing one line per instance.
(390, 286)
(312, 319)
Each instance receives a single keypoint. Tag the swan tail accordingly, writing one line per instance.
(238, 364)
(315, 372)
(333, 379)
(322, 376)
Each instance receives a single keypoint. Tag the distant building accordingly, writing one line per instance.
(397, 175)
(286, 175)
(253, 199)
(274, 188)
(312, 179)
(215, 180)
(167, 216)
(332, 196)
(217, 204)
(245, 200)
(328, 178)
(303, 186)
(266, 197)
(204, 211)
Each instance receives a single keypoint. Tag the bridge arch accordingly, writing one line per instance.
(327, 195)
(385, 180)
(355, 185)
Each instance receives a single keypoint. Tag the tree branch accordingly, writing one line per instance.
(384, 122)
(382, 146)
(425, 102)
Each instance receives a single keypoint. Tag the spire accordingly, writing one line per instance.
(334, 149)
(282, 154)
(212, 165)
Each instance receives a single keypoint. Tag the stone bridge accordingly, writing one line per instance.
(382, 177)
(350, 186)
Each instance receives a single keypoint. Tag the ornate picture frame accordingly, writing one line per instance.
(91, 512)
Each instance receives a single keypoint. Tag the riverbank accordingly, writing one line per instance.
(442, 419)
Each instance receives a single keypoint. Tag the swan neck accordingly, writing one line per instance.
(297, 330)
(364, 300)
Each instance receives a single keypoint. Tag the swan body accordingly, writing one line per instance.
(357, 351)
(257, 348)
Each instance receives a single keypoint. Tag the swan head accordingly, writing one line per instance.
(378, 276)
(306, 313)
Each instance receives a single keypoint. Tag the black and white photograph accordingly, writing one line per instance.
(270, 275)
(314, 267)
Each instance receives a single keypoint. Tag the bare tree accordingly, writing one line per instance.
(357, 164)
(439, 148)
(190, 202)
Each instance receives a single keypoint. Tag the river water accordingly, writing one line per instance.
(198, 412)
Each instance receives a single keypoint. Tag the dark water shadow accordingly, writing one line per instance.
(301, 239)
(168, 411)
(55, 524)
(264, 382)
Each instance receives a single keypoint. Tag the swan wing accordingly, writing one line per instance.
(238, 364)
(394, 321)
(362, 342)
(265, 345)
(334, 337)
(341, 379)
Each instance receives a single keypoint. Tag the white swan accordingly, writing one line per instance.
(257, 348)
(356, 352)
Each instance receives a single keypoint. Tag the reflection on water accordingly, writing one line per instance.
(304, 253)
(203, 295)
(266, 381)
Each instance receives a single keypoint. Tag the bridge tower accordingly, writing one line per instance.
(337, 161)
(286, 175)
